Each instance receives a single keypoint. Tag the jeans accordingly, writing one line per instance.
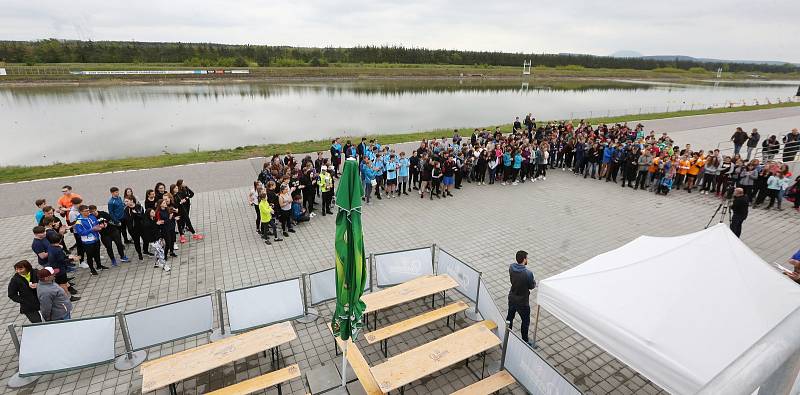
(524, 313)
(68, 316)
(749, 151)
(367, 190)
(736, 148)
(593, 167)
(736, 224)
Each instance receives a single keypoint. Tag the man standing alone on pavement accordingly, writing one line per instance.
(522, 283)
(739, 210)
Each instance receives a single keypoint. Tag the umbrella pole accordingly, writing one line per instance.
(344, 364)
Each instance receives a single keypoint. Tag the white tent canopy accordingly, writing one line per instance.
(677, 309)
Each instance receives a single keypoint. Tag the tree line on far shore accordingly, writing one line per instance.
(224, 55)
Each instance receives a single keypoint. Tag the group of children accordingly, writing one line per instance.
(154, 225)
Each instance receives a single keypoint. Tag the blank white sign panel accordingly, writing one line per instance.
(253, 307)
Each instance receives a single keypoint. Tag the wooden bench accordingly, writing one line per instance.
(171, 369)
(420, 287)
(382, 335)
(360, 366)
(403, 369)
(265, 381)
(493, 383)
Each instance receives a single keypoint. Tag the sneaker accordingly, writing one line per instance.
(114, 262)
(514, 183)
(84, 265)
(544, 178)
(125, 259)
(94, 272)
(74, 298)
(285, 234)
(167, 268)
(176, 248)
(291, 231)
(156, 265)
(172, 254)
(278, 239)
(102, 267)
(72, 290)
(183, 239)
(201, 237)
(267, 242)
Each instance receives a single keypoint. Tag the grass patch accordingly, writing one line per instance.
(26, 173)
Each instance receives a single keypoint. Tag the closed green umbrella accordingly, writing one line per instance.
(351, 268)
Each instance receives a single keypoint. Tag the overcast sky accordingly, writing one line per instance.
(751, 30)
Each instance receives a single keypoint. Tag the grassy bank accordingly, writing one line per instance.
(19, 173)
(60, 72)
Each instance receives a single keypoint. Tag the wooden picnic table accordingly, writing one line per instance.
(417, 288)
(168, 370)
(432, 357)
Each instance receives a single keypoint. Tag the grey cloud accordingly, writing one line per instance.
(705, 28)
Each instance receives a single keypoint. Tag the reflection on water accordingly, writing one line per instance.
(75, 123)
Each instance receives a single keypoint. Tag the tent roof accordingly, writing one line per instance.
(677, 309)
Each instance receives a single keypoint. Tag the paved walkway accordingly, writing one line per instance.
(562, 222)
(703, 131)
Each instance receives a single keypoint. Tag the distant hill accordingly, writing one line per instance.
(684, 58)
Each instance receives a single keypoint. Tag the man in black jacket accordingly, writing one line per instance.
(22, 290)
(522, 282)
(739, 210)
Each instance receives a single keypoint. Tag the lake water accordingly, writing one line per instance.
(44, 125)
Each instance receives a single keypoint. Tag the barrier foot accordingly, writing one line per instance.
(472, 315)
(124, 363)
(217, 334)
(311, 316)
(16, 381)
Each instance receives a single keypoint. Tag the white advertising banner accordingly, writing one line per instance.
(58, 346)
(489, 311)
(137, 72)
(262, 305)
(323, 285)
(172, 321)
(398, 267)
(533, 372)
(2, 71)
(466, 277)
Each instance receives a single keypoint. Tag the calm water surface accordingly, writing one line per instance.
(44, 125)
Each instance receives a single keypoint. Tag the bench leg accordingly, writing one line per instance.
(279, 389)
(483, 364)
(173, 389)
(385, 348)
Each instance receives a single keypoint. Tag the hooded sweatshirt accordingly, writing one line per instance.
(522, 283)
(53, 301)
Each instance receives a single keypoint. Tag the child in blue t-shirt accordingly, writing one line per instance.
(402, 175)
(391, 176)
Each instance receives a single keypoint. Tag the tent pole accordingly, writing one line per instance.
(536, 326)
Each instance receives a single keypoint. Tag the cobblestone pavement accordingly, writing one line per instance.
(561, 221)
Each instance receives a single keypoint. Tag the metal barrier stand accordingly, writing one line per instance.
(130, 359)
(17, 381)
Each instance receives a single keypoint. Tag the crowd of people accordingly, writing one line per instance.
(286, 190)
(155, 226)
(616, 153)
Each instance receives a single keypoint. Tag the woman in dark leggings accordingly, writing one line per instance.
(165, 218)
